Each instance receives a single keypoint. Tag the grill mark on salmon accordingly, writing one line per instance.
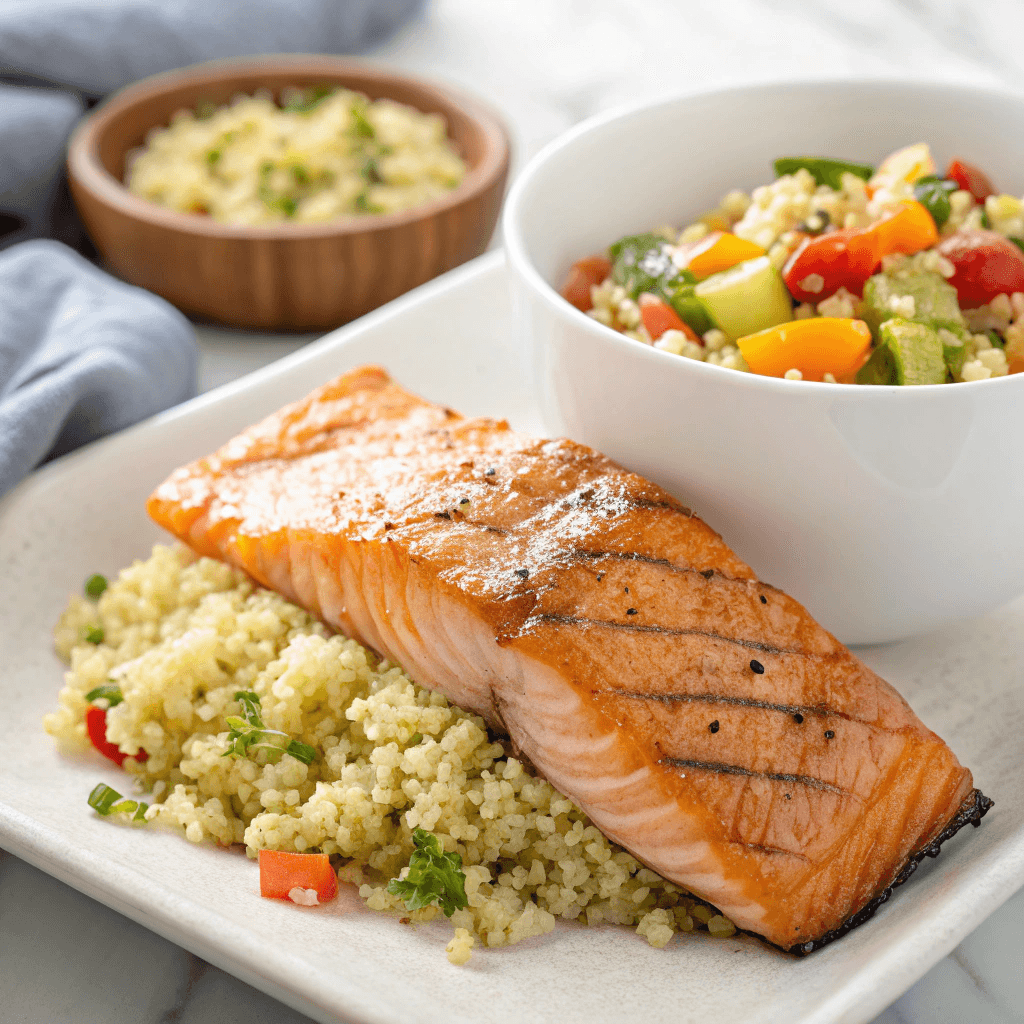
(741, 702)
(518, 613)
(735, 769)
(630, 627)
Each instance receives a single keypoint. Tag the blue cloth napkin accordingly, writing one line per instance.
(81, 355)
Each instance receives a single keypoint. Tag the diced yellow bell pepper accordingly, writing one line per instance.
(719, 251)
(905, 165)
(815, 347)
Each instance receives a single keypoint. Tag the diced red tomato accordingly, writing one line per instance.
(986, 265)
(281, 871)
(583, 275)
(658, 317)
(972, 179)
(96, 727)
(848, 257)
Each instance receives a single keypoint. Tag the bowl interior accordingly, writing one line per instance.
(669, 162)
(151, 104)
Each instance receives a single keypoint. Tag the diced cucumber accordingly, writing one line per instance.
(935, 301)
(916, 351)
(747, 298)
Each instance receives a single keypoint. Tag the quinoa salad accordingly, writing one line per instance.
(246, 721)
(322, 153)
(836, 272)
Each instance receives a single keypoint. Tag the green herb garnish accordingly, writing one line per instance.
(307, 100)
(1019, 242)
(416, 737)
(933, 193)
(997, 339)
(300, 174)
(986, 221)
(95, 585)
(371, 171)
(249, 733)
(825, 171)
(105, 800)
(363, 205)
(360, 125)
(93, 634)
(433, 875)
(205, 109)
(213, 156)
(110, 692)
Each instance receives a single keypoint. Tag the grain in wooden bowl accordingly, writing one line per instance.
(282, 276)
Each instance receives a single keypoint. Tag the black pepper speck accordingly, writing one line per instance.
(829, 734)
(798, 718)
(788, 797)
(631, 611)
(756, 666)
(714, 726)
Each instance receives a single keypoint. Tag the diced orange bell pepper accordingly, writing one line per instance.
(658, 317)
(281, 871)
(815, 347)
(583, 275)
(910, 229)
(719, 251)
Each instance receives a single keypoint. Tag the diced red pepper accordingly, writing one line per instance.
(658, 317)
(848, 257)
(282, 871)
(96, 727)
(583, 275)
(986, 265)
(971, 179)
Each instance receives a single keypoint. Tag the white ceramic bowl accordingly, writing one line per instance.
(887, 511)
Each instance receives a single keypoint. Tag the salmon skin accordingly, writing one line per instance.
(702, 718)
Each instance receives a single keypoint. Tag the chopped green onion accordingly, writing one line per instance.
(110, 692)
(363, 204)
(360, 125)
(106, 800)
(95, 585)
(248, 733)
(986, 223)
(93, 634)
(416, 737)
(307, 100)
(371, 171)
(300, 174)
(825, 171)
(213, 156)
(432, 875)
(997, 339)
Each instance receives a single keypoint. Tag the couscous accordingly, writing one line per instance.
(835, 272)
(322, 153)
(353, 760)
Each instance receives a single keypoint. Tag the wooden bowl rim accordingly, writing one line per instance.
(87, 171)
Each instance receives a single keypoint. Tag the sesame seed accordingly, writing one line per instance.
(631, 611)
(764, 600)
(798, 718)
(523, 573)
(714, 726)
(756, 666)
(829, 734)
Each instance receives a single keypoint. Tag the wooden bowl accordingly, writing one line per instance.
(288, 276)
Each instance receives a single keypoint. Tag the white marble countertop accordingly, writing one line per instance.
(546, 64)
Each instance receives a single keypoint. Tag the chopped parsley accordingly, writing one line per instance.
(248, 733)
(433, 875)
(307, 100)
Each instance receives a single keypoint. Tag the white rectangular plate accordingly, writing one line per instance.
(453, 342)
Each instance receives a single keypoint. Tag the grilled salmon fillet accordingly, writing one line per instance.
(701, 717)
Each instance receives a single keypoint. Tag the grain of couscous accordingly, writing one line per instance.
(836, 272)
(177, 637)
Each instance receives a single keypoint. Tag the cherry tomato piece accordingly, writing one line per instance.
(583, 275)
(986, 265)
(971, 179)
(825, 263)
(658, 317)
